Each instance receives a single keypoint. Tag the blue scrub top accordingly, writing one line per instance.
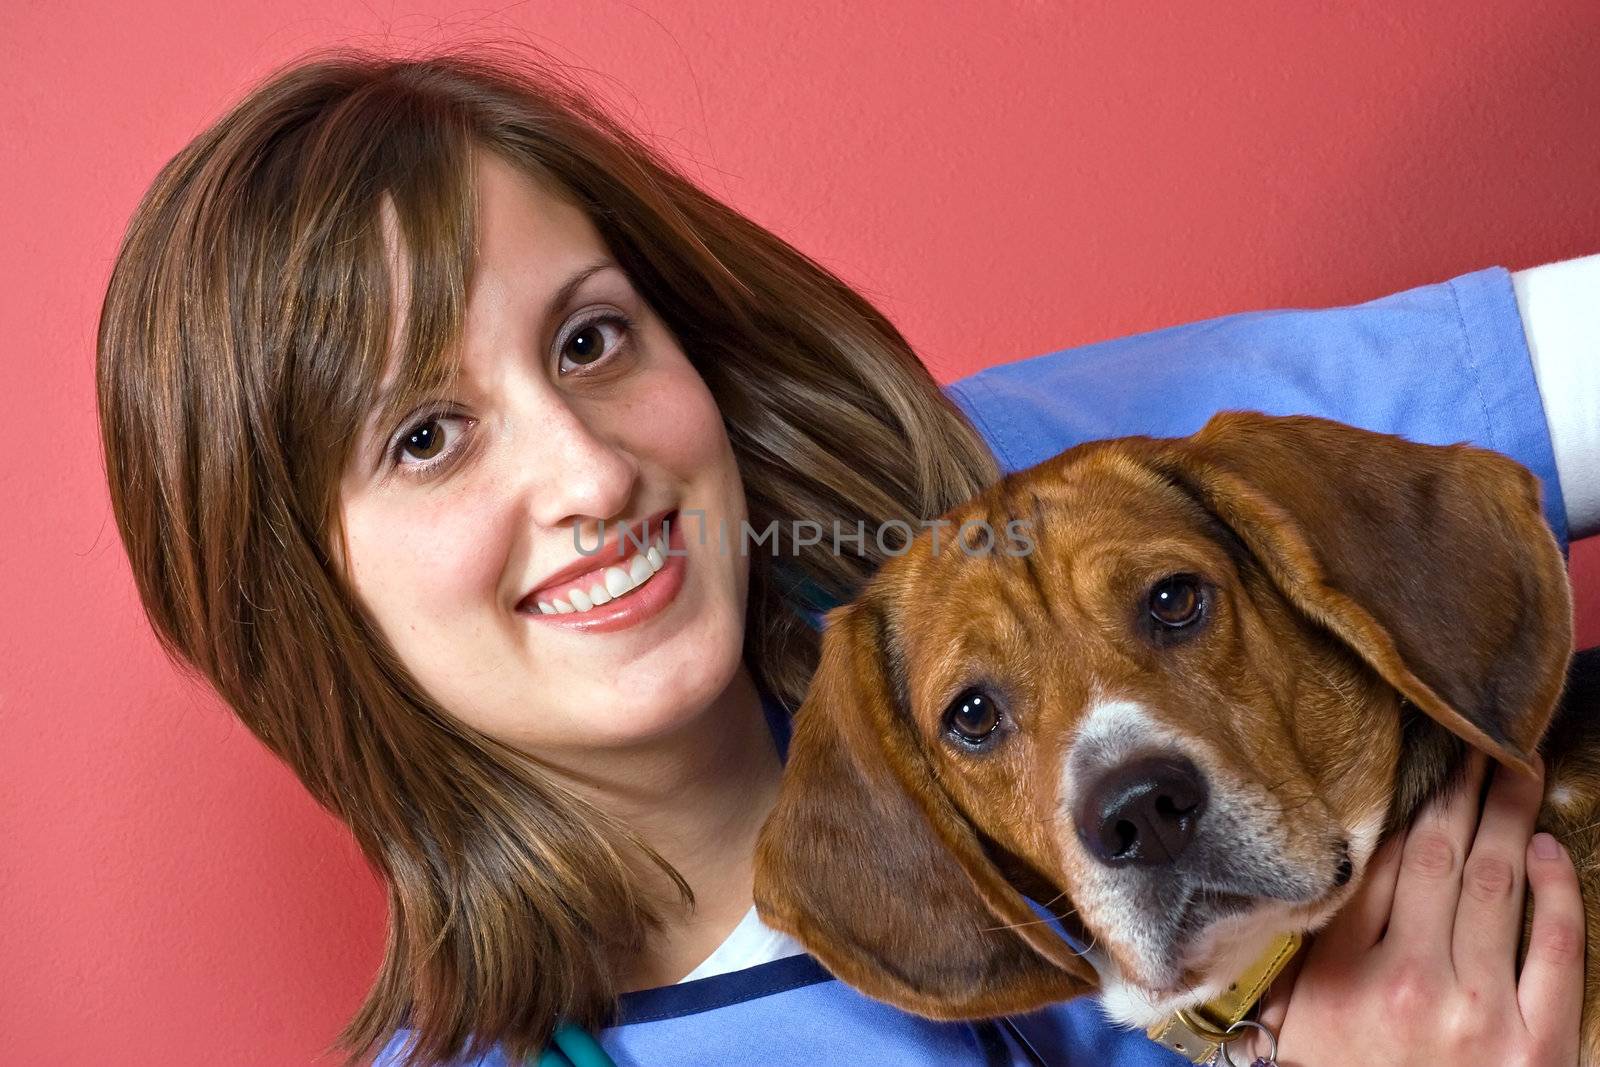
(1438, 364)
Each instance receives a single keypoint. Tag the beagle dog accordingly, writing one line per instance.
(1182, 719)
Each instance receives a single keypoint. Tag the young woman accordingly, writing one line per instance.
(386, 347)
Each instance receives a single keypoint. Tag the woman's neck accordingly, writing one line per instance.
(699, 799)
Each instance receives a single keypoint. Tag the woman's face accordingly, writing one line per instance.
(460, 519)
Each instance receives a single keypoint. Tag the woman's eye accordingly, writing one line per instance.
(420, 447)
(592, 340)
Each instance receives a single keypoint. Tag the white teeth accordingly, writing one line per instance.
(615, 582)
(638, 570)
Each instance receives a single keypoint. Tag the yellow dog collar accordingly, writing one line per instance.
(1199, 1033)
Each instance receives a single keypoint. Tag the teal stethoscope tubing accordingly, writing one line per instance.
(573, 1048)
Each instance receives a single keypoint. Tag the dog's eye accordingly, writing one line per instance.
(1177, 601)
(972, 716)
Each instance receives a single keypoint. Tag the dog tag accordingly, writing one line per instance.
(1223, 1059)
(1225, 1056)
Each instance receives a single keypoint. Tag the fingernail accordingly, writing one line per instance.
(1546, 847)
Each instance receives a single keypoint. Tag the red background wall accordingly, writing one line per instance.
(1003, 178)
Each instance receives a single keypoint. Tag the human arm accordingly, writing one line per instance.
(1440, 363)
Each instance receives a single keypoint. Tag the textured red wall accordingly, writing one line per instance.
(1003, 178)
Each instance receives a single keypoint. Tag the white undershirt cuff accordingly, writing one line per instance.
(1560, 308)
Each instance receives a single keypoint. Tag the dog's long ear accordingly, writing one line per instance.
(866, 862)
(1433, 563)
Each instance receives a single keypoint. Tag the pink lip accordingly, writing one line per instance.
(631, 609)
(616, 549)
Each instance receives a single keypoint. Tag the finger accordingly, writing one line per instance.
(1360, 924)
(1489, 917)
(1550, 991)
(1429, 884)
(1275, 1005)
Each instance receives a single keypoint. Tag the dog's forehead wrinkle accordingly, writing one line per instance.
(973, 627)
(1115, 498)
(886, 635)
(1018, 578)
(1036, 510)
(1037, 583)
(1126, 483)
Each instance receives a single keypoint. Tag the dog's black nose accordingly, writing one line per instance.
(1143, 813)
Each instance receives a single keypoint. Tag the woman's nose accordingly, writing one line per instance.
(574, 466)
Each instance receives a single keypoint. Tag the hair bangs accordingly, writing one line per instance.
(432, 191)
(405, 161)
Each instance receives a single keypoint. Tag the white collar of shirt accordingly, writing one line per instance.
(750, 943)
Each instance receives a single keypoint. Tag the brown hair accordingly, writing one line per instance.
(240, 346)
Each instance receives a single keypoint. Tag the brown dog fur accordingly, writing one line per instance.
(1373, 607)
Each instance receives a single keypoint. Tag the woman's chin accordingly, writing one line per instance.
(639, 705)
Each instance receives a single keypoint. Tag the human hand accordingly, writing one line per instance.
(1420, 968)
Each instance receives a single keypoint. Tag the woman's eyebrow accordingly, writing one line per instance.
(570, 286)
(558, 300)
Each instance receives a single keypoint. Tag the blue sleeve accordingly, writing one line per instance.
(1438, 364)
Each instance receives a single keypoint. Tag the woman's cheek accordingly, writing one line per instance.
(421, 562)
(681, 417)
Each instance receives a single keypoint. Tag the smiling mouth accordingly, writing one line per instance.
(612, 583)
(601, 586)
